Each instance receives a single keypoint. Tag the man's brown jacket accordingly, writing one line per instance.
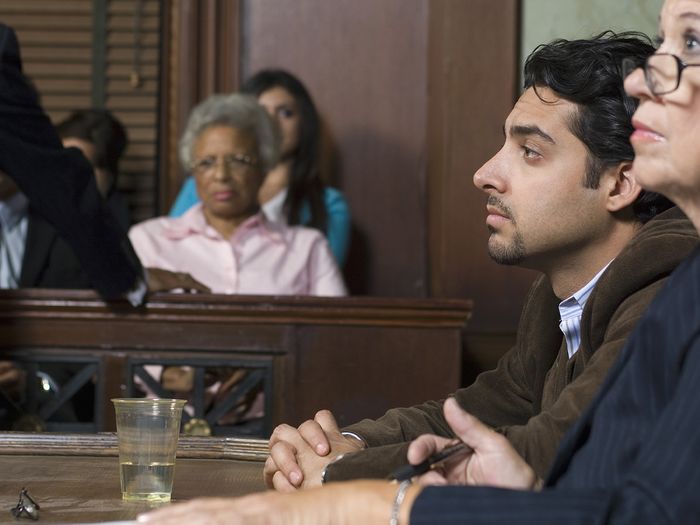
(536, 392)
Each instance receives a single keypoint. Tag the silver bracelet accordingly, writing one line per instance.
(398, 500)
(359, 438)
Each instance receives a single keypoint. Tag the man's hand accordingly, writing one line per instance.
(12, 379)
(298, 456)
(493, 462)
(353, 502)
(160, 280)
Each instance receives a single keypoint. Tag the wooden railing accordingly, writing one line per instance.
(355, 356)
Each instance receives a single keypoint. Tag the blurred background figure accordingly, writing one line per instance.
(224, 242)
(293, 192)
(102, 139)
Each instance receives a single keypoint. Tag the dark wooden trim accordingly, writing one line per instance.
(167, 170)
(105, 444)
(364, 311)
(229, 31)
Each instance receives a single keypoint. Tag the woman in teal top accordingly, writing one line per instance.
(293, 191)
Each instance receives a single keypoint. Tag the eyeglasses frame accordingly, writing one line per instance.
(628, 64)
(233, 162)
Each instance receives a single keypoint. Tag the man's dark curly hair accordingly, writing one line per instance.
(589, 74)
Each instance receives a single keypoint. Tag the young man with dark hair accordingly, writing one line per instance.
(561, 201)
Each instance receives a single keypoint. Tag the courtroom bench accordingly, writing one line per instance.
(357, 356)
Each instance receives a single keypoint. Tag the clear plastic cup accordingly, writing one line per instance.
(147, 432)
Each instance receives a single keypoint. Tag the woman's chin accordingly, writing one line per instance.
(648, 175)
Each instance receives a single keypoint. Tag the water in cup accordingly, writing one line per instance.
(152, 482)
(147, 432)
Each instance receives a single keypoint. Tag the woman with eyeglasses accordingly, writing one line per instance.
(634, 456)
(293, 191)
(225, 242)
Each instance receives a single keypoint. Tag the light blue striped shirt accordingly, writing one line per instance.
(571, 311)
(13, 236)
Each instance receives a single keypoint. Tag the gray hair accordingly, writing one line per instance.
(236, 111)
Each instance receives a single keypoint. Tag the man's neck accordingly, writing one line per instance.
(573, 271)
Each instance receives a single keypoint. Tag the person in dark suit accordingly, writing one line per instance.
(59, 182)
(634, 455)
(60, 186)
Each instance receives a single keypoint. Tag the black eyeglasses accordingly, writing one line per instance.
(236, 163)
(662, 72)
(26, 507)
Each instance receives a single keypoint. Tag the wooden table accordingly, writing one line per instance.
(75, 479)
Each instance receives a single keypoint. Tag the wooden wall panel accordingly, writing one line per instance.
(364, 63)
(473, 72)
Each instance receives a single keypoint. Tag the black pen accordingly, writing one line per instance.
(409, 471)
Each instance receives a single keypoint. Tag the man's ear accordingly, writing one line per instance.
(622, 188)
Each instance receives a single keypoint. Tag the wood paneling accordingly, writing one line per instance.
(473, 74)
(355, 356)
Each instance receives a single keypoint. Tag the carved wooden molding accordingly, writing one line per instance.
(105, 444)
(366, 311)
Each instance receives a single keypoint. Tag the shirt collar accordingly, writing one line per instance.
(571, 312)
(12, 210)
(193, 222)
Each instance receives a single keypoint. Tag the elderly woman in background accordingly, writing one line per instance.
(634, 457)
(224, 241)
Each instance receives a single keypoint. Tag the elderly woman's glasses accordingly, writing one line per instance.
(26, 507)
(235, 163)
(662, 72)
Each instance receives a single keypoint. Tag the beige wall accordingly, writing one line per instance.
(545, 20)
